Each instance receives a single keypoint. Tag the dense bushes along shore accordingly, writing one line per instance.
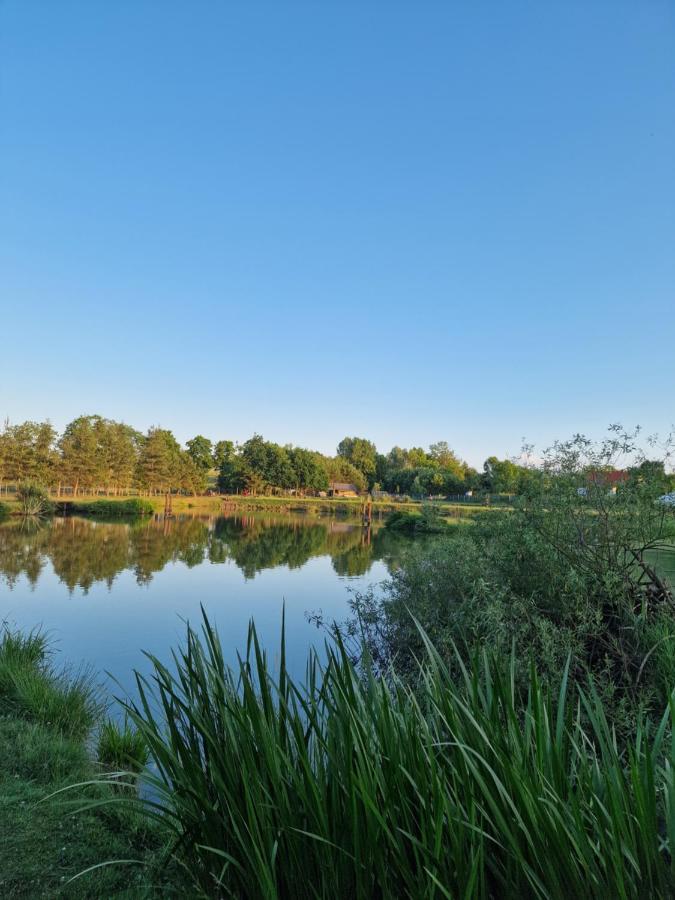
(347, 785)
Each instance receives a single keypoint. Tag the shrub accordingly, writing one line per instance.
(351, 786)
(4, 511)
(503, 584)
(33, 499)
(428, 521)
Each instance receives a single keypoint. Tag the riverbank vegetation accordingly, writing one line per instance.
(132, 506)
(568, 573)
(445, 786)
(46, 719)
(494, 721)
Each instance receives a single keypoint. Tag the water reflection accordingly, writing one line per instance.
(83, 552)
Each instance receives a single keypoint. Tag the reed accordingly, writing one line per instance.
(352, 786)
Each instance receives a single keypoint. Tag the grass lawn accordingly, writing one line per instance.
(46, 837)
(45, 840)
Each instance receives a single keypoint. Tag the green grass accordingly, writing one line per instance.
(30, 688)
(47, 839)
(121, 747)
(350, 786)
(49, 835)
(133, 506)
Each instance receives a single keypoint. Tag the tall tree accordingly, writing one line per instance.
(200, 450)
(361, 453)
(82, 465)
(224, 450)
(159, 464)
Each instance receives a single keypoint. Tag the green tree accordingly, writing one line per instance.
(339, 469)
(309, 473)
(501, 476)
(159, 466)
(222, 451)
(231, 468)
(361, 453)
(27, 453)
(82, 465)
(200, 450)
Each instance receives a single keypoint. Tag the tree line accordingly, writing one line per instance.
(95, 454)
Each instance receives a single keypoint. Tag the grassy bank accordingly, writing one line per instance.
(133, 506)
(351, 507)
(46, 720)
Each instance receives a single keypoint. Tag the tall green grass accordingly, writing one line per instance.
(134, 506)
(32, 689)
(351, 786)
(121, 747)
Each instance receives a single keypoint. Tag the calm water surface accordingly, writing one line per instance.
(105, 592)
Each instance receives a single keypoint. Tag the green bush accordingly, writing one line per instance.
(427, 521)
(509, 581)
(34, 499)
(350, 786)
(4, 511)
(134, 506)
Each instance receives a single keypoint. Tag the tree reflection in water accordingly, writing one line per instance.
(84, 551)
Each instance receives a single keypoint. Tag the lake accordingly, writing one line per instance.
(105, 592)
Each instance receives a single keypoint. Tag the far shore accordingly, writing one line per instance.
(219, 503)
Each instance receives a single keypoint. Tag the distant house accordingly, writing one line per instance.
(342, 489)
(611, 478)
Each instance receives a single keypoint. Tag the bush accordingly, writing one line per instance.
(134, 506)
(34, 499)
(509, 581)
(428, 521)
(4, 511)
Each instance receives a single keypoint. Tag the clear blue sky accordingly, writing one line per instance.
(407, 221)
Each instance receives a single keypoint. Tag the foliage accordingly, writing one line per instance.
(4, 511)
(132, 506)
(352, 786)
(568, 572)
(362, 454)
(502, 476)
(95, 454)
(428, 521)
(33, 499)
(200, 450)
(27, 452)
